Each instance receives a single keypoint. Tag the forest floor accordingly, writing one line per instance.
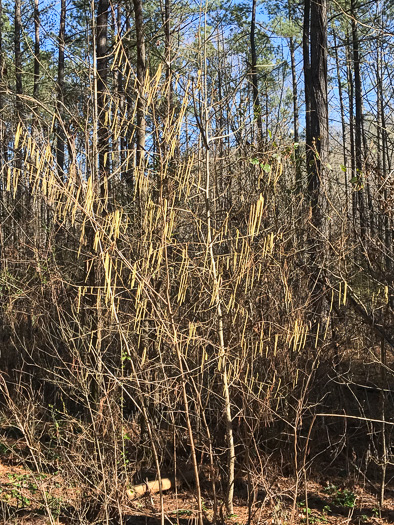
(27, 498)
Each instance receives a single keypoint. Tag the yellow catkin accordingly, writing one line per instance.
(79, 298)
(317, 334)
(340, 295)
(17, 136)
(276, 343)
(344, 294)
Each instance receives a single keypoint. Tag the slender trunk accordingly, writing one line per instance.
(2, 149)
(387, 232)
(343, 123)
(223, 358)
(60, 144)
(379, 130)
(122, 141)
(102, 91)
(1, 65)
(307, 81)
(18, 105)
(93, 268)
(383, 452)
(358, 123)
(127, 141)
(36, 50)
(167, 35)
(256, 100)
(164, 149)
(351, 134)
(217, 299)
(141, 74)
(18, 59)
(220, 130)
(295, 115)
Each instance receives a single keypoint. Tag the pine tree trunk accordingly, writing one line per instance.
(315, 68)
(36, 50)
(102, 91)
(18, 103)
(2, 149)
(256, 100)
(295, 115)
(141, 74)
(60, 142)
(307, 81)
(353, 172)
(358, 124)
(343, 124)
(18, 59)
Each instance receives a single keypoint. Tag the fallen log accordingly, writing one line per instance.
(149, 487)
(152, 487)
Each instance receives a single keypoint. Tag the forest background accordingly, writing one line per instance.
(196, 245)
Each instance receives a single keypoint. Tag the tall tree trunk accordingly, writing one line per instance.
(121, 141)
(256, 100)
(1, 67)
(318, 106)
(353, 172)
(295, 115)
(358, 123)
(141, 74)
(18, 59)
(18, 103)
(161, 145)
(307, 82)
(2, 149)
(60, 144)
(36, 50)
(383, 159)
(167, 34)
(343, 124)
(102, 91)
(128, 173)
(315, 67)
(3, 146)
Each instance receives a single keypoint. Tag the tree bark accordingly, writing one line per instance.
(383, 164)
(36, 50)
(307, 81)
(315, 72)
(18, 102)
(60, 143)
(358, 124)
(128, 173)
(167, 34)
(18, 58)
(353, 172)
(102, 91)
(315, 68)
(141, 74)
(256, 100)
(3, 147)
(318, 107)
(295, 115)
(343, 124)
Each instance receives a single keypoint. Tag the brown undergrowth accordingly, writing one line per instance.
(330, 496)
